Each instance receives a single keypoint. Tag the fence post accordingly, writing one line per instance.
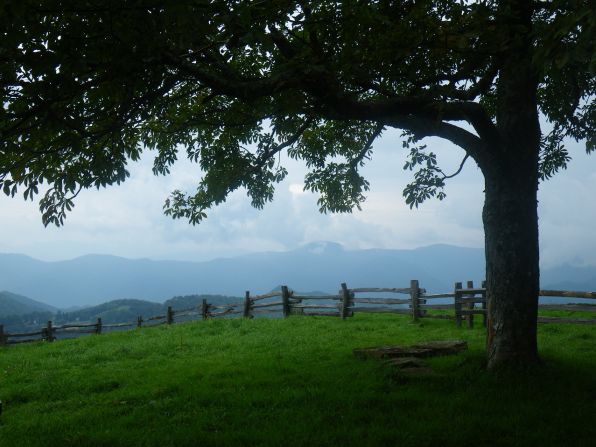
(414, 295)
(98, 327)
(457, 303)
(139, 321)
(204, 309)
(246, 312)
(484, 307)
(345, 301)
(285, 298)
(49, 332)
(3, 338)
(169, 315)
(471, 306)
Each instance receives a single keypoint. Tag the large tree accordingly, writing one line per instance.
(87, 85)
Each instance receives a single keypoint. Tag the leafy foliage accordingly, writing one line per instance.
(427, 181)
(553, 155)
(86, 87)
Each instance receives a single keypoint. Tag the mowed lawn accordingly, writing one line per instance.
(292, 382)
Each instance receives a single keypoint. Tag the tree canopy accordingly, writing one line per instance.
(87, 86)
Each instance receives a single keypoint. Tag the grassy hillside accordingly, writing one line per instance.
(13, 304)
(291, 382)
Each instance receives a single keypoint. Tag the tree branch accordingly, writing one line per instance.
(367, 145)
(223, 83)
(461, 166)
(422, 128)
(274, 149)
(482, 85)
(420, 114)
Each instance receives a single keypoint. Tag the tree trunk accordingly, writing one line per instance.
(510, 212)
(512, 269)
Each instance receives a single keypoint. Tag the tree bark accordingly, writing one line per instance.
(510, 218)
(512, 269)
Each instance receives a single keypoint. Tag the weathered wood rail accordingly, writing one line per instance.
(470, 301)
(467, 302)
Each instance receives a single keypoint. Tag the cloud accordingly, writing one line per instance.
(128, 220)
(297, 189)
(567, 213)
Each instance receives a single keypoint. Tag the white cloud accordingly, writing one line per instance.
(297, 189)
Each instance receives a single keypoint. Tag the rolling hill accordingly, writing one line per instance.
(13, 304)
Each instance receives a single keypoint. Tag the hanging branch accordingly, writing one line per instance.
(461, 166)
(367, 146)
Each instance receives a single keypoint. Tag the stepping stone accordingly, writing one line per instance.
(428, 349)
(406, 362)
(419, 371)
(444, 347)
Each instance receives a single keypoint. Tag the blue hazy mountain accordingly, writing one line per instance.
(569, 277)
(322, 266)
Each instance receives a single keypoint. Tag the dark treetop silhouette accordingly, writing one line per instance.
(87, 85)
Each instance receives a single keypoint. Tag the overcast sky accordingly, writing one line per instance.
(128, 221)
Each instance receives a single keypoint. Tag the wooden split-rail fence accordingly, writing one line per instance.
(467, 302)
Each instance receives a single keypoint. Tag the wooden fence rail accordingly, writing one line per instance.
(467, 302)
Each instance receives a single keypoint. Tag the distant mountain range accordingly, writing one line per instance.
(323, 266)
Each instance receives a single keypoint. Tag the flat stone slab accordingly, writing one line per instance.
(418, 371)
(406, 362)
(409, 366)
(419, 350)
(444, 347)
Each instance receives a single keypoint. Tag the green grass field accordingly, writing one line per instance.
(292, 382)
